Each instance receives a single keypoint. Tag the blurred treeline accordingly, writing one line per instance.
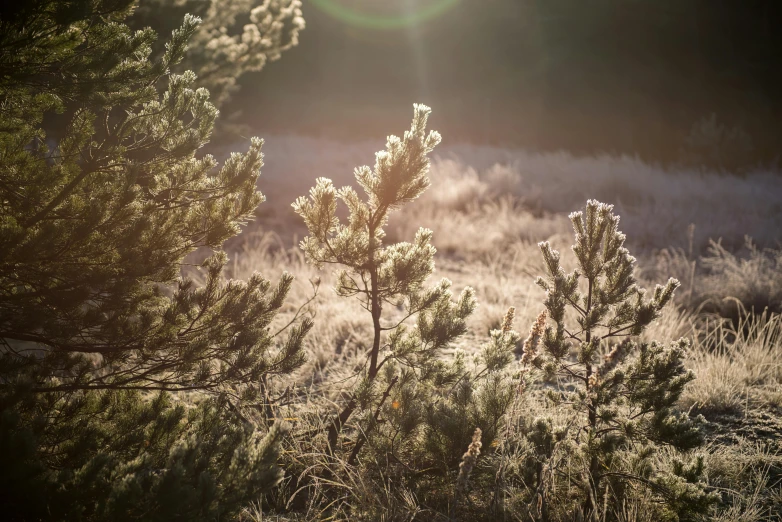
(590, 76)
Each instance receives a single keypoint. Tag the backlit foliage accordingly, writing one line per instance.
(96, 217)
(235, 37)
(411, 402)
(137, 382)
(622, 393)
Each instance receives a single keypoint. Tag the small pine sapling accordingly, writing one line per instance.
(479, 399)
(623, 392)
(375, 273)
(405, 382)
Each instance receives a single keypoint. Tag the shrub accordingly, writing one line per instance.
(413, 408)
(120, 456)
(621, 394)
(234, 38)
(96, 326)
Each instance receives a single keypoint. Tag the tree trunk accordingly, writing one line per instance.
(336, 426)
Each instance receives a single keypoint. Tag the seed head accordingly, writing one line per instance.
(533, 339)
(507, 321)
(468, 460)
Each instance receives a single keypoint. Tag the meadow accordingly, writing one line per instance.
(460, 332)
(717, 233)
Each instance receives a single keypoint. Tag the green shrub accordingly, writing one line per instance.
(102, 195)
(411, 406)
(617, 396)
(235, 37)
(116, 456)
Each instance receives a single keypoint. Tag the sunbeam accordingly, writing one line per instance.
(370, 17)
(418, 50)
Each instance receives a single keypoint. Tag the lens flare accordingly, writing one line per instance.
(361, 18)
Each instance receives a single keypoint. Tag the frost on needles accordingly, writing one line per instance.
(98, 325)
(412, 403)
(621, 392)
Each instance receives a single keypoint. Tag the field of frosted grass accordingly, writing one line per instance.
(529, 189)
(489, 207)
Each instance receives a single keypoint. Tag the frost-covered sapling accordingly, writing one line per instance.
(623, 392)
(405, 382)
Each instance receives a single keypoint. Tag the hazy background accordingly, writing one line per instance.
(587, 76)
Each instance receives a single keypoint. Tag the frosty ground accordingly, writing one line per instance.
(718, 233)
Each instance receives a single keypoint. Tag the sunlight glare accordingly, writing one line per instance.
(367, 15)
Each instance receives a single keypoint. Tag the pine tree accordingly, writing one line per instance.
(117, 455)
(102, 195)
(411, 402)
(623, 392)
(234, 38)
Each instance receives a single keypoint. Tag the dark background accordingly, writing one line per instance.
(589, 76)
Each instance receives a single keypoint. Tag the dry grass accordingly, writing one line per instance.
(656, 205)
(726, 282)
(488, 209)
(736, 365)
